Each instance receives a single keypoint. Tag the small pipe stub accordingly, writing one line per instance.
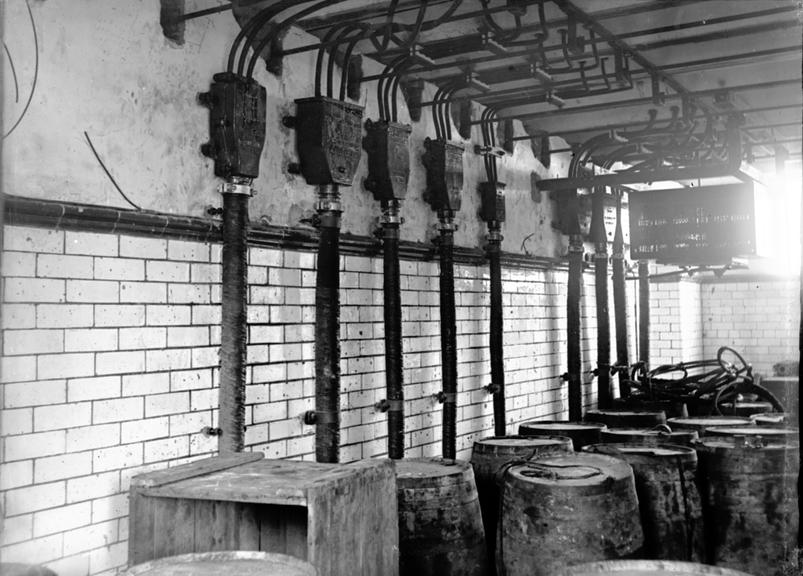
(492, 388)
(382, 406)
(310, 418)
(210, 431)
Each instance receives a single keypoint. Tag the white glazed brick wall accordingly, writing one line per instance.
(759, 318)
(109, 369)
(676, 332)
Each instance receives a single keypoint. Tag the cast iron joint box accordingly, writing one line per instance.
(444, 164)
(236, 125)
(328, 140)
(492, 202)
(388, 159)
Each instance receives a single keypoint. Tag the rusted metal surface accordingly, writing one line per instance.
(561, 510)
(327, 347)
(488, 459)
(749, 503)
(444, 163)
(234, 323)
(329, 138)
(440, 525)
(581, 433)
(671, 511)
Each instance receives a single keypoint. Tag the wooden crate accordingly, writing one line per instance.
(342, 518)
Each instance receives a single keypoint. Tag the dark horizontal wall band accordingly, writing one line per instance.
(21, 211)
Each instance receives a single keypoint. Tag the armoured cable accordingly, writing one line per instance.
(327, 329)
(394, 368)
(497, 329)
(234, 323)
(604, 395)
(620, 299)
(574, 352)
(448, 337)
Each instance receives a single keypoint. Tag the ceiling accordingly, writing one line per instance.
(594, 67)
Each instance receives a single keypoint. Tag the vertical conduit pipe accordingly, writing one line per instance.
(234, 327)
(573, 327)
(494, 250)
(644, 311)
(393, 329)
(448, 334)
(604, 396)
(327, 328)
(620, 300)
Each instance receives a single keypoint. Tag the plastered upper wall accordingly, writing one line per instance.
(106, 68)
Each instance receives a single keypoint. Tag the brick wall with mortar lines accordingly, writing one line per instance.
(758, 318)
(676, 330)
(109, 370)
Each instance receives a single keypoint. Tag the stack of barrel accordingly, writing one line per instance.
(717, 490)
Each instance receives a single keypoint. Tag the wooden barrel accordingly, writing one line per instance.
(490, 456)
(772, 419)
(745, 408)
(581, 433)
(627, 418)
(646, 568)
(216, 563)
(765, 433)
(563, 509)
(671, 512)
(440, 525)
(672, 408)
(701, 423)
(749, 494)
(20, 569)
(648, 437)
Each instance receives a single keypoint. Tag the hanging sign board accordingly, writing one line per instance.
(697, 226)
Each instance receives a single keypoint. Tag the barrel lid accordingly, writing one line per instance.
(659, 433)
(770, 418)
(627, 412)
(562, 425)
(428, 468)
(753, 431)
(647, 568)
(625, 449)
(710, 421)
(577, 469)
(745, 443)
(247, 563)
(525, 441)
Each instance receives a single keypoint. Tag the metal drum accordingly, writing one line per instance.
(491, 455)
(627, 418)
(766, 433)
(671, 512)
(581, 433)
(749, 494)
(648, 437)
(560, 510)
(701, 423)
(646, 568)
(215, 563)
(440, 526)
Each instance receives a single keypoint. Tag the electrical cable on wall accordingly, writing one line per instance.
(106, 170)
(13, 73)
(35, 72)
